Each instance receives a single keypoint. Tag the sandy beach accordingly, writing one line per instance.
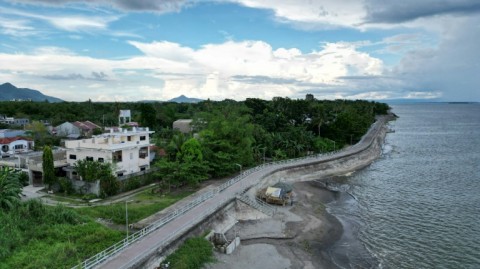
(296, 236)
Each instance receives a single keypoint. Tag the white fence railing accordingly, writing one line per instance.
(104, 255)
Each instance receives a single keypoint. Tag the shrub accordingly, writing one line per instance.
(131, 184)
(66, 186)
(193, 254)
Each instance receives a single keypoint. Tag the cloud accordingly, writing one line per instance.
(395, 12)
(16, 27)
(312, 14)
(71, 23)
(226, 70)
(99, 76)
(162, 6)
(451, 68)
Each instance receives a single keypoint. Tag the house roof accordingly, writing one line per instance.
(86, 125)
(9, 140)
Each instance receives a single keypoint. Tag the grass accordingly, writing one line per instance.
(192, 254)
(143, 204)
(38, 236)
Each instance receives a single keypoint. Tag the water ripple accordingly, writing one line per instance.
(418, 206)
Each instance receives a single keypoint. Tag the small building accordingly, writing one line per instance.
(76, 129)
(124, 117)
(33, 163)
(14, 121)
(280, 193)
(14, 145)
(183, 125)
(6, 133)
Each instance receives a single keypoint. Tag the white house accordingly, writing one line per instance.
(14, 145)
(128, 150)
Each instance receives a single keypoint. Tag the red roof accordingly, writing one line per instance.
(8, 140)
(86, 125)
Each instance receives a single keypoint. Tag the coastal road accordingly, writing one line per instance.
(136, 252)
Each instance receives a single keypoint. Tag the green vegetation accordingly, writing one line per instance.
(38, 236)
(193, 254)
(91, 171)
(142, 205)
(49, 177)
(10, 189)
(230, 135)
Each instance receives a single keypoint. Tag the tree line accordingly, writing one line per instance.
(227, 135)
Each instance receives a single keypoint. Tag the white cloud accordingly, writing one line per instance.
(313, 14)
(218, 71)
(71, 23)
(16, 27)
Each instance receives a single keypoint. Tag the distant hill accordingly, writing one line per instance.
(9, 92)
(184, 99)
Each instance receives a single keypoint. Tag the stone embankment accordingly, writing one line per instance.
(144, 251)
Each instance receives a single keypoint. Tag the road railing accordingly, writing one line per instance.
(281, 164)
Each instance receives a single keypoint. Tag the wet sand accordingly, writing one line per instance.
(297, 236)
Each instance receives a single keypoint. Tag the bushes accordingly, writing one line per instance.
(39, 236)
(193, 254)
(131, 184)
(66, 186)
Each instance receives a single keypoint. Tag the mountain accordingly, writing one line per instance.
(183, 99)
(9, 92)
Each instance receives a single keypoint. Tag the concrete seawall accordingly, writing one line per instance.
(351, 159)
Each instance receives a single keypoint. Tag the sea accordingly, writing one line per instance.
(418, 205)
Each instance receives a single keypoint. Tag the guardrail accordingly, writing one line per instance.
(283, 164)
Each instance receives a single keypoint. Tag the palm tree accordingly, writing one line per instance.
(10, 189)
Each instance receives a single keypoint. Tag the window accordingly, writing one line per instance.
(72, 157)
(117, 156)
(142, 169)
(119, 174)
(18, 146)
(89, 158)
(143, 153)
(129, 138)
(100, 160)
(143, 138)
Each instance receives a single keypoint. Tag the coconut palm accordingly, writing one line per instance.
(10, 189)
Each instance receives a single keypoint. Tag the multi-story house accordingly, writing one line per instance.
(127, 150)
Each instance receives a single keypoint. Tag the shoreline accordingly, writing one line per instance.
(298, 236)
(310, 232)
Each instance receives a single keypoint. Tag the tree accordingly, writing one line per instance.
(38, 131)
(148, 116)
(49, 177)
(10, 189)
(91, 171)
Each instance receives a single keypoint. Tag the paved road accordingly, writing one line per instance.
(169, 231)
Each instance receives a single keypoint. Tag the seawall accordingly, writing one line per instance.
(356, 157)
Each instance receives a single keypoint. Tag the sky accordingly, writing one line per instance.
(131, 50)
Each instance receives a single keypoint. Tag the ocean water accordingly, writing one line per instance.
(418, 205)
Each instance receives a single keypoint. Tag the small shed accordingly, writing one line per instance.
(280, 193)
